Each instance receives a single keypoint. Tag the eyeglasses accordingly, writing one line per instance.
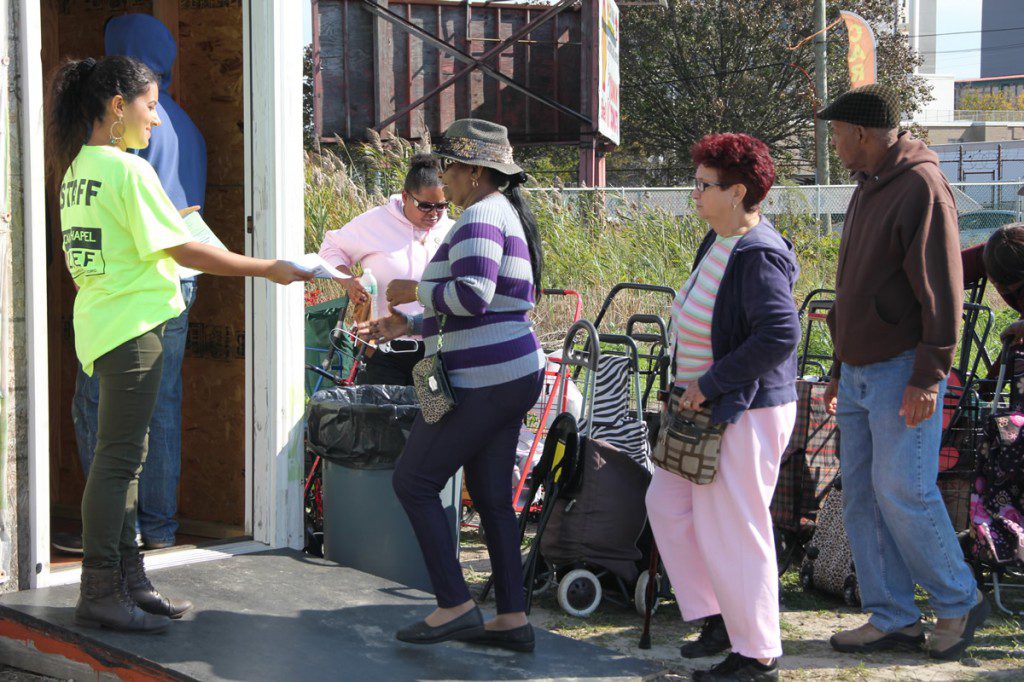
(447, 162)
(701, 186)
(427, 207)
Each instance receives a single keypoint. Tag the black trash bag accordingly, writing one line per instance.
(361, 427)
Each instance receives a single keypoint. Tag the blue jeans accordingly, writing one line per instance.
(899, 530)
(158, 482)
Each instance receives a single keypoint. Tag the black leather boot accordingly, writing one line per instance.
(143, 592)
(713, 639)
(104, 602)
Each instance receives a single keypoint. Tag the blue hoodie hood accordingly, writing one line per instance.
(147, 39)
(177, 150)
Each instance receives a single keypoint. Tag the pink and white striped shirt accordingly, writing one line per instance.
(692, 310)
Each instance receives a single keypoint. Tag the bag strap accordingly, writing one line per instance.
(440, 331)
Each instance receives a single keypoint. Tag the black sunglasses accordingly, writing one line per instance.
(427, 207)
(702, 186)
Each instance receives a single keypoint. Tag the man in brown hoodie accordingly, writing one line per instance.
(899, 291)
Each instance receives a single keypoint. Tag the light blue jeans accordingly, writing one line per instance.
(158, 482)
(899, 530)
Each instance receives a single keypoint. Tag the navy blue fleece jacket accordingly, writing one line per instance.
(755, 329)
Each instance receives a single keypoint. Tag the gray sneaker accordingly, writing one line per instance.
(952, 636)
(868, 638)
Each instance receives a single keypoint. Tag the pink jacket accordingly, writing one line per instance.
(383, 240)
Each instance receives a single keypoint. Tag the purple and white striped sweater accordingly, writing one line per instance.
(481, 280)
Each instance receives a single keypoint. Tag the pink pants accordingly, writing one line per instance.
(716, 539)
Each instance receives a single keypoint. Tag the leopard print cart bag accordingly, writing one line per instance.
(689, 444)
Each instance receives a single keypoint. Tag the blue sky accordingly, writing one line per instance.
(953, 16)
(957, 16)
(307, 23)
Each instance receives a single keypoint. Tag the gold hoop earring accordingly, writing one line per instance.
(475, 183)
(114, 139)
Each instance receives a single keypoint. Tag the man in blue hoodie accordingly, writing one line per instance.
(177, 151)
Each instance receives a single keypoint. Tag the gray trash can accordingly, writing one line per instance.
(365, 526)
(360, 431)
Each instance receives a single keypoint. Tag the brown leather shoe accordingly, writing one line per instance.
(868, 638)
(952, 636)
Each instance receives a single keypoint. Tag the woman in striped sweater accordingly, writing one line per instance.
(736, 332)
(477, 293)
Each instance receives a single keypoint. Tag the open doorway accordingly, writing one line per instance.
(208, 84)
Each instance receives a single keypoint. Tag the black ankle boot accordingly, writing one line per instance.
(104, 602)
(713, 639)
(143, 592)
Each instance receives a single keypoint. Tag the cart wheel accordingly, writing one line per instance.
(640, 593)
(786, 545)
(851, 594)
(807, 575)
(579, 593)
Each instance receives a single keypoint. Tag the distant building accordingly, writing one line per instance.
(1009, 85)
(1002, 50)
(917, 20)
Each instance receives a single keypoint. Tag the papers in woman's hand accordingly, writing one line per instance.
(202, 233)
(321, 269)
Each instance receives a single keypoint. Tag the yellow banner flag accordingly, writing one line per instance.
(861, 57)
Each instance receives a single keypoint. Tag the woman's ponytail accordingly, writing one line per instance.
(510, 186)
(67, 126)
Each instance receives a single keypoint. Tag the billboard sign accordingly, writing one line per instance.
(608, 71)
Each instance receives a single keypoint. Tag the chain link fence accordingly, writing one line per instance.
(823, 205)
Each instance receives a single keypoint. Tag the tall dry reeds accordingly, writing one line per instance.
(590, 244)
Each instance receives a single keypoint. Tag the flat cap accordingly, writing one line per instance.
(871, 106)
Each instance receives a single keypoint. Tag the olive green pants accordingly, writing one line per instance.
(129, 378)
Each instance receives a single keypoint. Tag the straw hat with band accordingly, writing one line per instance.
(476, 142)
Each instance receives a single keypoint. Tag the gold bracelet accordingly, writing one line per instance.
(416, 292)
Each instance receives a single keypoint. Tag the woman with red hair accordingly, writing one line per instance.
(735, 332)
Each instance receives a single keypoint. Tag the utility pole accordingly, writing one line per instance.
(821, 83)
(821, 172)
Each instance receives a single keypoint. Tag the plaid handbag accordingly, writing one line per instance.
(811, 461)
(688, 445)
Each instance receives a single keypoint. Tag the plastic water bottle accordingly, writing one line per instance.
(369, 283)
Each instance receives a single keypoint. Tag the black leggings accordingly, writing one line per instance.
(479, 435)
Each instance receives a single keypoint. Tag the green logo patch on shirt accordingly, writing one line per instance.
(83, 249)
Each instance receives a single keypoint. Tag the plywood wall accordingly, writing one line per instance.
(209, 87)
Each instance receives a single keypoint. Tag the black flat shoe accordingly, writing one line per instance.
(469, 623)
(738, 668)
(516, 639)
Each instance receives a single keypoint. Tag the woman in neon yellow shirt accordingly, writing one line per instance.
(123, 241)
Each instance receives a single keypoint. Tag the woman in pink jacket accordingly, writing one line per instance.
(394, 241)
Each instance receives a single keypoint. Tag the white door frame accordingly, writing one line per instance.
(274, 184)
(275, 181)
(30, 110)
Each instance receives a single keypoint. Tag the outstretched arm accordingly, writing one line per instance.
(214, 261)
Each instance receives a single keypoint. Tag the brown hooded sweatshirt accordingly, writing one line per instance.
(899, 285)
